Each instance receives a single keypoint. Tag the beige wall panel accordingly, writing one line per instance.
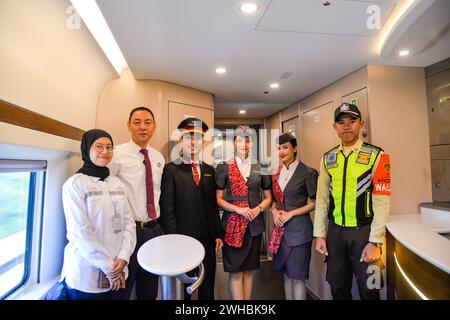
(48, 68)
(399, 124)
(290, 112)
(334, 92)
(126, 93)
(318, 134)
(273, 131)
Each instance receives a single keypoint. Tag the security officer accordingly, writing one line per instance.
(353, 195)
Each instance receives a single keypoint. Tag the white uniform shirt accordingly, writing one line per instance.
(100, 230)
(244, 166)
(286, 174)
(127, 164)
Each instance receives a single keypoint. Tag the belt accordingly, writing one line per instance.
(349, 228)
(146, 225)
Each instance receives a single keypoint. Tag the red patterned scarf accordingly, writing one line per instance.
(277, 232)
(236, 225)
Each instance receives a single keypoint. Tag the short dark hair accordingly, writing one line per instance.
(141, 109)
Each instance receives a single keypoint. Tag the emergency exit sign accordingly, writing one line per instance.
(355, 101)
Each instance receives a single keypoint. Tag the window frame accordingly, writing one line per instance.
(36, 188)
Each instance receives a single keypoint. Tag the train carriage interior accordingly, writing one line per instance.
(68, 66)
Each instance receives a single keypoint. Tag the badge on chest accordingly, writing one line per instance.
(363, 158)
(331, 161)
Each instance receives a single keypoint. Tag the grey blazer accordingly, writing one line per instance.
(301, 186)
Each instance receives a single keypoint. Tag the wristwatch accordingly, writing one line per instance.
(261, 210)
(376, 244)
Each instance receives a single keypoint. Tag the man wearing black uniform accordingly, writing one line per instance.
(188, 200)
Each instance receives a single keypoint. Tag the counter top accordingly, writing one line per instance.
(420, 234)
(444, 206)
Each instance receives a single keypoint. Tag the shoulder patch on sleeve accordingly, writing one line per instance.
(382, 176)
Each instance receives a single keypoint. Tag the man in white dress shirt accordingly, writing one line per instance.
(140, 168)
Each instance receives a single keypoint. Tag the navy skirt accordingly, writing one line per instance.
(244, 258)
(293, 261)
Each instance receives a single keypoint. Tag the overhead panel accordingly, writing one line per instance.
(353, 18)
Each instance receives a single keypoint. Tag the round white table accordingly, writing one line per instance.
(171, 256)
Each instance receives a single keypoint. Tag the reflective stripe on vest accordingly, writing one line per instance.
(351, 185)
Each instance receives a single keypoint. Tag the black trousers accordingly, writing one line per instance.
(345, 246)
(146, 282)
(206, 289)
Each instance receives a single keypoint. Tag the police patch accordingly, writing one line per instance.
(363, 157)
(331, 158)
(331, 165)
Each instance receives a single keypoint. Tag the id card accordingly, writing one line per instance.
(117, 222)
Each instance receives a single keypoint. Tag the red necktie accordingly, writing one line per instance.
(196, 176)
(149, 185)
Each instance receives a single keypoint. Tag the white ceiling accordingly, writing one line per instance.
(184, 41)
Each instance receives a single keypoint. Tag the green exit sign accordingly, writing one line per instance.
(355, 101)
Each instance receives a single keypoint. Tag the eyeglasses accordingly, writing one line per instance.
(100, 148)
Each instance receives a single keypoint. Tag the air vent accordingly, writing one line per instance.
(286, 75)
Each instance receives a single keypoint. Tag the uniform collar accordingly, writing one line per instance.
(135, 147)
(356, 147)
(189, 161)
(292, 166)
(239, 161)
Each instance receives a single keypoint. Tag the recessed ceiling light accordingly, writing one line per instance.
(221, 70)
(242, 111)
(248, 7)
(274, 85)
(403, 53)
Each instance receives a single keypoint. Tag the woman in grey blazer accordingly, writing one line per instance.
(292, 185)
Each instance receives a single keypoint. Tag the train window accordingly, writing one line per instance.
(18, 187)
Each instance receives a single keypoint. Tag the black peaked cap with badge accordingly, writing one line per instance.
(193, 125)
(347, 108)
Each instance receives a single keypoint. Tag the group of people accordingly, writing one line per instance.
(116, 203)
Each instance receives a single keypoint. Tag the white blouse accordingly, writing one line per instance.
(286, 174)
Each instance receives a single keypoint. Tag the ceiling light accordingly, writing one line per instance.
(221, 70)
(96, 23)
(242, 111)
(248, 7)
(274, 85)
(392, 21)
(403, 53)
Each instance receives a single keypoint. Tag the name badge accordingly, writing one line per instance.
(363, 157)
(207, 175)
(332, 165)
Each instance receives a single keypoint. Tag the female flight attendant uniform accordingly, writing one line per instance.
(242, 240)
(291, 243)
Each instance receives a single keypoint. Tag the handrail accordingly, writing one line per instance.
(196, 284)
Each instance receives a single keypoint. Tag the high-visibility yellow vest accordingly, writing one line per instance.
(351, 185)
